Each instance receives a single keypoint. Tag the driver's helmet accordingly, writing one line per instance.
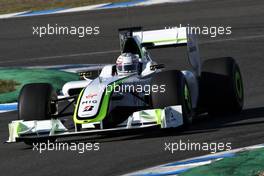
(127, 63)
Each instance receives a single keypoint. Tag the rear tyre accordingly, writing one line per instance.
(221, 86)
(176, 93)
(36, 102)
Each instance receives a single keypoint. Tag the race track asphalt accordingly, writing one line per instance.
(122, 154)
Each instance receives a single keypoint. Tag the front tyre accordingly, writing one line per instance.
(37, 102)
(176, 93)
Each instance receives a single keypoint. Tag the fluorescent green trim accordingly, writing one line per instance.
(158, 115)
(239, 85)
(105, 103)
(145, 115)
(104, 106)
(187, 97)
(167, 40)
(15, 128)
(13, 131)
(76, 109)
(153, 114)
(20, 128)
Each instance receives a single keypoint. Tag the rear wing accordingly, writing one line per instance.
(174, 37)
(162, 38)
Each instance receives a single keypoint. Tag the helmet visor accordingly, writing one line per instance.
(127, 68)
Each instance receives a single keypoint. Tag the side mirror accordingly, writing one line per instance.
(157, 66)
(89, 74)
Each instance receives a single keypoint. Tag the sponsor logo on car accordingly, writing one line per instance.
(88, 108)
(90, 102)
(91, 95)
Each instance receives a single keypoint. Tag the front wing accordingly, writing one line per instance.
(36, 131)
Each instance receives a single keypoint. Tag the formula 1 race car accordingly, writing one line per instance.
(145, 95)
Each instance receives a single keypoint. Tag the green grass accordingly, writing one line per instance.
(249, 163)
(8, 86)
(10, 6)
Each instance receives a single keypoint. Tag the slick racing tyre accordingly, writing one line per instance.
(176, 93)
(36, 102)
(117, 116)
(221, 86)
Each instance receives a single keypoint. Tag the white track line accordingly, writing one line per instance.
(84, 8)
(233, 39)
(153, 2)
(92, 7)
(9, 15)
(160, 168)
(60, 56)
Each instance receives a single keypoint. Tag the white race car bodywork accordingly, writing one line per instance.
(94, 103)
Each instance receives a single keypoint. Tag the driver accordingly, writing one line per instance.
(127, 63)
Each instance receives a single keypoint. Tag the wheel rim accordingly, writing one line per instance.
(239, 85)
